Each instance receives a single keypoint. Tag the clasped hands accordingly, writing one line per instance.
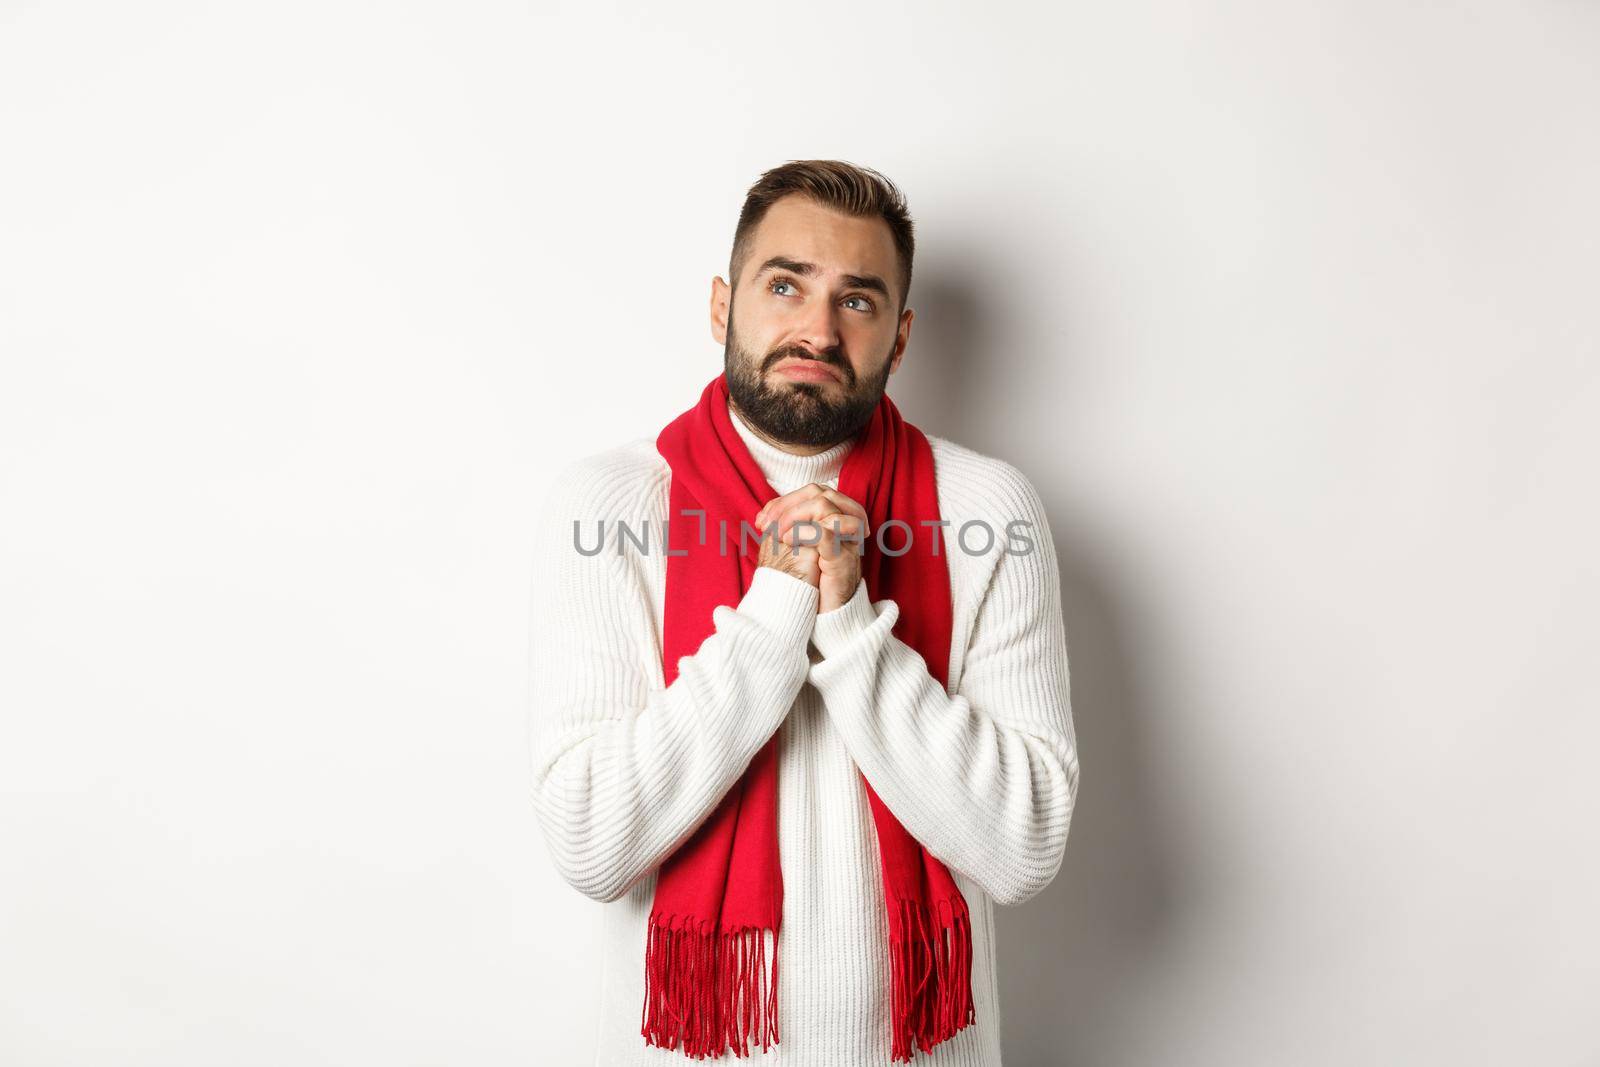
(819, 536)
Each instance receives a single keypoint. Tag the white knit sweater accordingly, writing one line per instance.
(983, 773)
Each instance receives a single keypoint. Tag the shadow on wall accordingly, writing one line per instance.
(1076, 961)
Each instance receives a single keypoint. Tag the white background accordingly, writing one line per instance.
(1287, 309)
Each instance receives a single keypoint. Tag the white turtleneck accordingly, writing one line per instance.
(983, 773)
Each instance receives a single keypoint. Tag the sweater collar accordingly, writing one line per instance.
(785, 471)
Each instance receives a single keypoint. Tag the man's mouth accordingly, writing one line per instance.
(808, 370)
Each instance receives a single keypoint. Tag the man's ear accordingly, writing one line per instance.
(901, 339)
(721, 293)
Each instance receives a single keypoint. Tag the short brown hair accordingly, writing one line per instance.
(833, 183)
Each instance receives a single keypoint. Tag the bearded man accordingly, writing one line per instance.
(799, 676)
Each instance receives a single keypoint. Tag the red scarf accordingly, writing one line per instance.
(708, 981)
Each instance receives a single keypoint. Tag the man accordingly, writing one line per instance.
(751, 750)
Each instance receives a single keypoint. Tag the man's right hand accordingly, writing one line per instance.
(799, 561)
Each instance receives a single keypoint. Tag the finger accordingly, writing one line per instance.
(823, 510)
(801, 518)
(838, 525)
(843, 524)
(779, 513)
(844, 503)
(774, 507)
(803, 532)
(794, 496)
(834, 545)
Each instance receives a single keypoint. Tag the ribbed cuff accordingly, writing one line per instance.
(783, 604)
(837, 628)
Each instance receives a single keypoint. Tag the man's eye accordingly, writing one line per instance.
(866, 304)
(775, 283)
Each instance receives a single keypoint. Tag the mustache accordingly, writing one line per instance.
(832, 357)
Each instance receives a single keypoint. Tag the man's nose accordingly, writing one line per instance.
(821, 327)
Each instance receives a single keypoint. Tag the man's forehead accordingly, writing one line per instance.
(797, 230)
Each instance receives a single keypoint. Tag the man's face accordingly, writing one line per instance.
(813, 334)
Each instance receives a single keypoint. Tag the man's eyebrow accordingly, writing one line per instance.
(807, 270)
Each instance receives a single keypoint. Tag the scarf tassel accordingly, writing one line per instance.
(929, 1011)
(709, 989)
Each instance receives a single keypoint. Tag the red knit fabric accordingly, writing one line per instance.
(711, 973)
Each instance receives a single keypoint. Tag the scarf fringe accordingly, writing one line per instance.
(709, 989)
(929, 1012)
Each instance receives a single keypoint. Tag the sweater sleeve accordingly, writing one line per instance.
(624, 770)
(986, 779)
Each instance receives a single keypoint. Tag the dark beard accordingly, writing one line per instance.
(799, 413)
